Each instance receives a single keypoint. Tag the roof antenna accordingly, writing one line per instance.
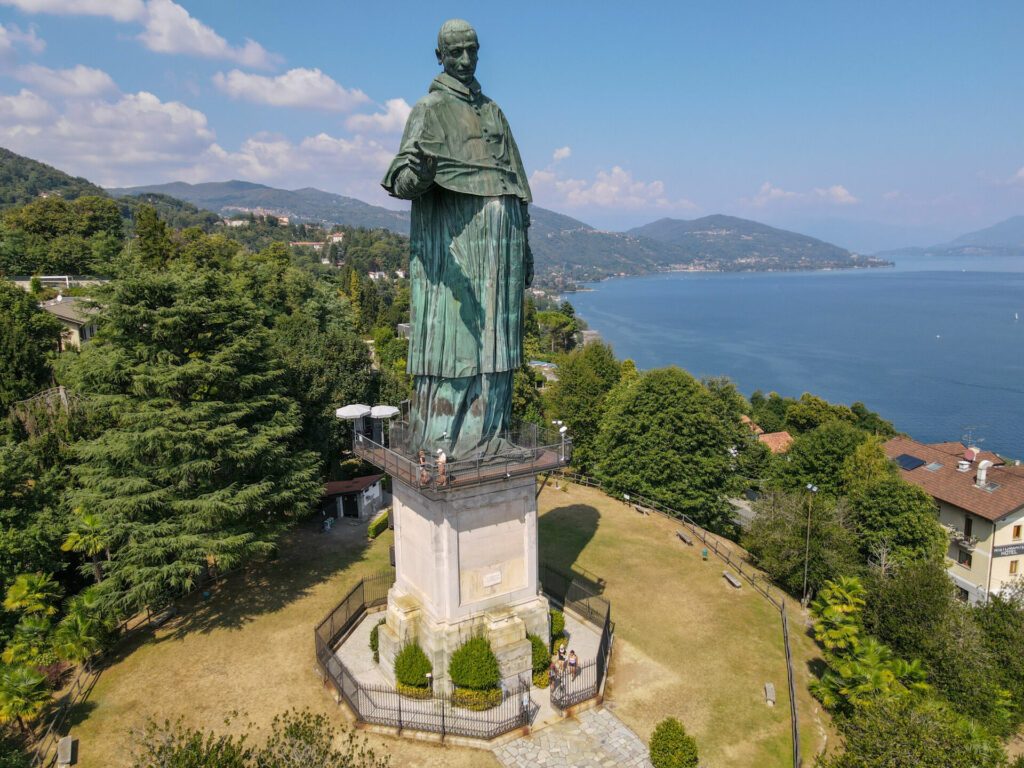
(969, 439)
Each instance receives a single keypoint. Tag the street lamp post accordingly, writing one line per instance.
(811, 490)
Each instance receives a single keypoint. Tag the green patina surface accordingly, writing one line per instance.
(470, 256)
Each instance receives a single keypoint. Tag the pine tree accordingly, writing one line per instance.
(199, 465)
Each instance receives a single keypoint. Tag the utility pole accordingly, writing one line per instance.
(811, 490)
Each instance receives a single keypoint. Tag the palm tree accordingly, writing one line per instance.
(33, 594)
(23, 695)
(88, 537)
(78, 637)
(30, 642)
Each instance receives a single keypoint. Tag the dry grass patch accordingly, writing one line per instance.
(249, 648)
(687, 644)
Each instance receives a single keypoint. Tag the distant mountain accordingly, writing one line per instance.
(561, 244)
(733, 244)
(1003, 239)
(23, 179)
(1006, 235)
(307, 204)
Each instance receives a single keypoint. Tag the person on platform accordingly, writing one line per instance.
(470, 255)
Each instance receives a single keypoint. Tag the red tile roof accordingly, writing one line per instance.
(355, 485)
(777, 442)
(948, 484)
(750, 423)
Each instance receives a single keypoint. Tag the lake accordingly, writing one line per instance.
(933, 344)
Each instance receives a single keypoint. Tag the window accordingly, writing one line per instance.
(964, 558)
(1013, 566)
(1016, 533)
(968, 525)
(962, 594)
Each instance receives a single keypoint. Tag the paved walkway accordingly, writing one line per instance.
(593, 739)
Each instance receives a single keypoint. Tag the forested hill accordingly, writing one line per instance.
(731, 243)
(310, 205)
(23, 179)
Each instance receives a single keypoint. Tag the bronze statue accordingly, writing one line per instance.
(470, 260)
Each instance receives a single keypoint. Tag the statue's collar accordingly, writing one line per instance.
(445, 82)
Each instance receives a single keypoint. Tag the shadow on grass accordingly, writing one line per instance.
(306, 557)
(77, 715)
(564, 533)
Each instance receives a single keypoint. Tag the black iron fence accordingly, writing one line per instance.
(439, 710)
(573, 686)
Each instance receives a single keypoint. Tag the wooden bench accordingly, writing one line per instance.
(769, 694)
(732, 579)
(684, 537)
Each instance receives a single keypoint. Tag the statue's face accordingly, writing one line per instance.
(458, 55)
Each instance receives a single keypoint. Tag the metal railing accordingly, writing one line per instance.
(757, 580)
(585, 682)
(530, 451)
(438, 711)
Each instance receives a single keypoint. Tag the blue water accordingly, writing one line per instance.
(932, 345)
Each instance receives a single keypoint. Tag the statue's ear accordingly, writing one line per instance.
(437, 52)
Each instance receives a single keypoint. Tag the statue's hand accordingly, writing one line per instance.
(422, 163)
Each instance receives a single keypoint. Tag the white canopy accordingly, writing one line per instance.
(383, 412)
(356, 411)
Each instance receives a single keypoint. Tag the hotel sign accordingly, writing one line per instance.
(1008, 549)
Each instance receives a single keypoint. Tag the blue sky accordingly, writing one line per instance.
(873, 124)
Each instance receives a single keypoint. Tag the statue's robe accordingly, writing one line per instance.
(467, 268)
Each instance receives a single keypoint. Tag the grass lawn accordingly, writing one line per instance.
(248, 648)
(687, 644)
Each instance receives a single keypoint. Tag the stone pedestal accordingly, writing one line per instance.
(467, 564)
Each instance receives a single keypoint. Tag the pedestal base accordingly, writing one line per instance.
(466, 566)
(506, 628)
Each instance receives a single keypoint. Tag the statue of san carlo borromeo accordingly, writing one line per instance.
(470, 260)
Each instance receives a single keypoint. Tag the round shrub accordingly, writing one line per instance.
(375, 640)
(475, 666)
(541, 654)
(411, 692)
(412, 666)
(672, 747)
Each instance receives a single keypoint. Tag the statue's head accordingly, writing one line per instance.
(457, 48)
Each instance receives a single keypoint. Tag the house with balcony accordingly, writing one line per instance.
(980, 502)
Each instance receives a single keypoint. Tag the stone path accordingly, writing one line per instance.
(593, 739)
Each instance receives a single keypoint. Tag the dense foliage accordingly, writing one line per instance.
(671, 746)
(29, 337)
(23, 180)
(663, 438)
(412, 666)
(474, 665)
(585, 377)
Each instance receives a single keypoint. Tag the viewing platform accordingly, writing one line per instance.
(530, 451)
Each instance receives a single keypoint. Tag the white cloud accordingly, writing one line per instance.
(169, 28)
(12, 35)
(25, 111)
(1018, 177)
(836, 194)
(893, 194)
(768, 194)
(609, 189)
(79, 81)
(119, 10)
(561, 153)
(295, 88)
(391, 120)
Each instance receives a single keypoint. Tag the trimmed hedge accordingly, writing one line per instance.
(477, 701)
(541, 654)
(475, 666)
(412, 666)
(377, 526)
(412, 692)
(375, 640)
(557, 627)
(672, 747)
(542, 679)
